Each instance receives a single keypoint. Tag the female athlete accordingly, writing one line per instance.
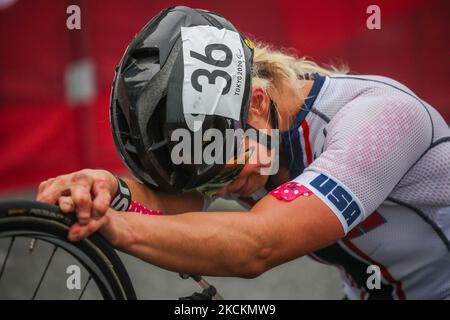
(363, 181)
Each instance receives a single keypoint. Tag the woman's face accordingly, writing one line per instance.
(288, 99)
(251, 178)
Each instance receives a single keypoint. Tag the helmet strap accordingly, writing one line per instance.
(273, 113)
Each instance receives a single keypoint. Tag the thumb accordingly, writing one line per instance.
(79, 232)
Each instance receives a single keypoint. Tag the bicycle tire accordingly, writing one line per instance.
(46, 222)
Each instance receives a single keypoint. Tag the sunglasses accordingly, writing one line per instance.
(232, 170)
(229, 172)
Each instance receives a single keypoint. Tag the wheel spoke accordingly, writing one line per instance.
(32, 245)
(7, 256)
(84, 288)
(45, 272)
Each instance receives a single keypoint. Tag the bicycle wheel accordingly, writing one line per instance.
(35, 221)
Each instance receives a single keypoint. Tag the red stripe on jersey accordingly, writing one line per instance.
(373, 221)
(355, 232)
(308, 149)
(397, 284)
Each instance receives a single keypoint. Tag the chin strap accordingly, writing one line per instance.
(273, 113)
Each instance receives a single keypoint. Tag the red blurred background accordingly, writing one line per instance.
(44, 133)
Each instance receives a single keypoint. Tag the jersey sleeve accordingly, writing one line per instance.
(370, 145)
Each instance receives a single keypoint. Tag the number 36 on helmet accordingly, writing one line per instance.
(187, 68)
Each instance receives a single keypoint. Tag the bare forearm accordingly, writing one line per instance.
(216, 243)
(227, 243)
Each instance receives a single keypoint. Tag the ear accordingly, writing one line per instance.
(259, 102)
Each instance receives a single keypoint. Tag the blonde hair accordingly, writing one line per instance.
(272, 68)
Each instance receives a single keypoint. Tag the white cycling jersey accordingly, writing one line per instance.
(379, 157)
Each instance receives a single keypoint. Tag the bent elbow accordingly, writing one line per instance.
(253, 273)
(257, 264)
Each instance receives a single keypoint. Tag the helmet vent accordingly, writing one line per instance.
(208, 16)
(149, 54)
(158, 143)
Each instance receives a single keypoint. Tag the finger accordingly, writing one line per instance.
(66, 204)
(102, 197)
(44, 183)
(46, 190)
(81, 196)
(78, 232)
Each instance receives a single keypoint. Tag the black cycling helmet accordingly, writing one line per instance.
(169, 76)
